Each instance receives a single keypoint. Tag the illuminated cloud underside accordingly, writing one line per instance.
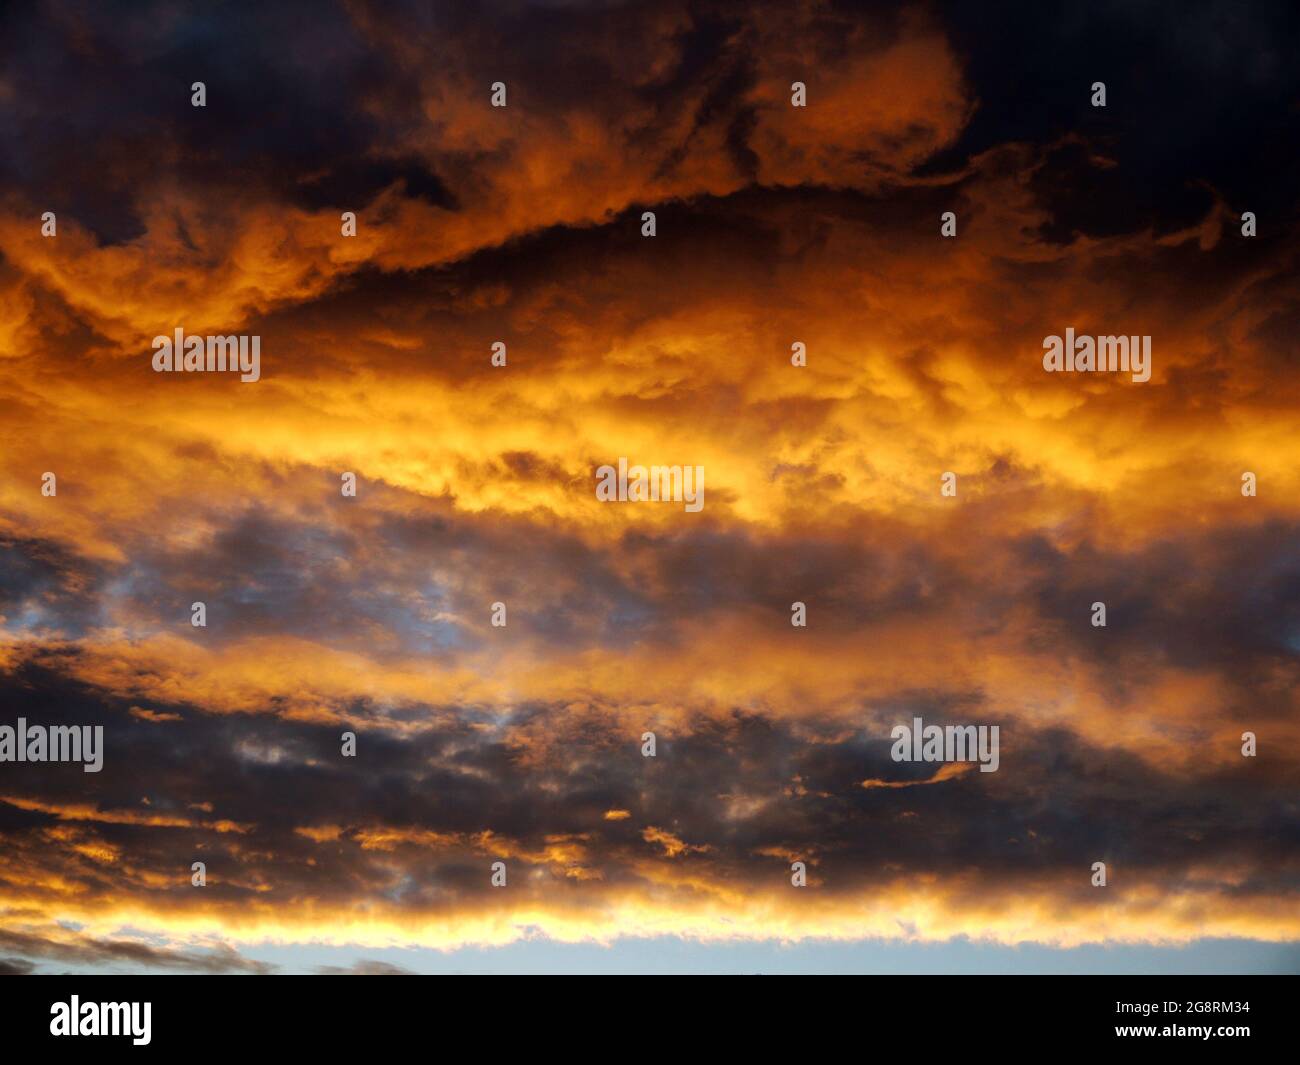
(476, 485)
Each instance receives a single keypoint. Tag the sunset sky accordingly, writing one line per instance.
(775, 224)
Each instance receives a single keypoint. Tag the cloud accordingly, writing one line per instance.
(364, 967)
(60, 946)
(522, 744)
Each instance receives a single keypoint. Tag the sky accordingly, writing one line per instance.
(824, 484)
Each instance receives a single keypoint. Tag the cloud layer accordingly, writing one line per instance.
(522, 224)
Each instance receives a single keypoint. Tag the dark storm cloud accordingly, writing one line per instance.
(1240, 613)
(44, 584)
(100, 106)
(735, 791)
(98, 100)
(327, 613)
